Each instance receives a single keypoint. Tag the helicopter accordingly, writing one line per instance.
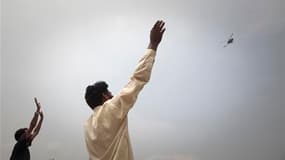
(229, 41)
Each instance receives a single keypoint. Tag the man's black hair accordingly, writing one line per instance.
(93, 94)
(19, 133)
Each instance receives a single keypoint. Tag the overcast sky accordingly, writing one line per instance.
(204, 102)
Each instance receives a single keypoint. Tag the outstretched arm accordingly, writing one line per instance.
(38, 127)
(34, 124)
(34, 120)
(128, 95)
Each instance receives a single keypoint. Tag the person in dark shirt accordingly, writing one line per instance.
(25, 136)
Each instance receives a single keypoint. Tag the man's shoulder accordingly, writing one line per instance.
(25, 142)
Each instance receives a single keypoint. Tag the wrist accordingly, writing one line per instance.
(153, 46)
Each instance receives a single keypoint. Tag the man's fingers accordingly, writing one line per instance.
(37, 103)
(156, 24)
(35, 99)
(159, 23)
(161, 26)
(162, 31)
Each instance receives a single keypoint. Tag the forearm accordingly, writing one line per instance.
(128, 95)
(38, 127)
(34, 121)
(144, 67)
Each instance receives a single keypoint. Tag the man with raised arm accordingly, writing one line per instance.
(106, 130)
(25, 136)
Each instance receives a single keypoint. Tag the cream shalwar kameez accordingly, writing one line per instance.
(106, 131)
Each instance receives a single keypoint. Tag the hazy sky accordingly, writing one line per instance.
(204, 102)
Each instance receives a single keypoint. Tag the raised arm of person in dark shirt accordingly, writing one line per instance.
(35, 126)
(38, 126)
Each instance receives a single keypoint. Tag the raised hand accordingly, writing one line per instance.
(38, 105)
(156, 34)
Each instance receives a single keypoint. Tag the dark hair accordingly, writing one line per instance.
(93, 94)
(19, 133)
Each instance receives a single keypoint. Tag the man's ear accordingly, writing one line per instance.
(104, 97)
